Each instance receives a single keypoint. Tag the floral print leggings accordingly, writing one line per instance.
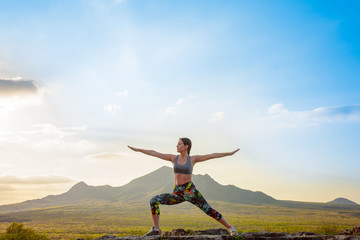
(181, 193)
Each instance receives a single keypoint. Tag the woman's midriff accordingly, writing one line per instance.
(182, 178)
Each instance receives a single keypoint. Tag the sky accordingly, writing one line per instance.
(82, 79)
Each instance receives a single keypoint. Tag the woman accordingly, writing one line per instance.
(184, 189)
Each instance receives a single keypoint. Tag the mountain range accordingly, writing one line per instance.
(159, 181)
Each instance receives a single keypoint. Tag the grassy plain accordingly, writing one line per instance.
(93, 220)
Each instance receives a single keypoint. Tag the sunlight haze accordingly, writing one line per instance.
(81, 80)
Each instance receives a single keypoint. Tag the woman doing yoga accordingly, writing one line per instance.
(184, 189)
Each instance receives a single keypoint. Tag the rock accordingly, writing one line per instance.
(177, 232)
(108, 237)
(182, 232)
(222, 234)
(219, 231)
(304, 234)
(346, 232)
(354, 231)
(282, 235)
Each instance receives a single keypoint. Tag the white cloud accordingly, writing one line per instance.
(217, 116)
(43, 135)
(277, 109)
(123, 94)
(51, 130)
(35, 180)
(16, 92)
(112, 109)
(53, 136)
(9, 105)
(18, 189)
(48, 129)
(174, 110)
(337, 113)
(6, 188)
(278, 112)
(111, 155)
(18, 87)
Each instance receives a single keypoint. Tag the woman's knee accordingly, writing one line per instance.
(154, 204)
(207, 209)
(154, 200)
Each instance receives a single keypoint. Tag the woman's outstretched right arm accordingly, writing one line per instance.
(167, 157)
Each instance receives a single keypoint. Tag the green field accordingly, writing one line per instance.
(92, 220)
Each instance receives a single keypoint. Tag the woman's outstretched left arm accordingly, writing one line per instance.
(201, 158)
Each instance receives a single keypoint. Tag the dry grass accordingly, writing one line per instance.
(89, 221)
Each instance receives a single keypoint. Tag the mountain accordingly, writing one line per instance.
(343, 201)
(159, 181)
(80, 192)
(162, 180)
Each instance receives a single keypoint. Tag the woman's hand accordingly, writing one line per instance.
(132, 148)
(201, 158)
(232, 153)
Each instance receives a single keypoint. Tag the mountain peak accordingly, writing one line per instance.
(343, 201)
(81, 184)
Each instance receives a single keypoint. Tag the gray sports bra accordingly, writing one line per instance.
(183, 169)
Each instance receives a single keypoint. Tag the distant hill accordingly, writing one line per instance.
(343, 201)
(80, 192)
(159, 181)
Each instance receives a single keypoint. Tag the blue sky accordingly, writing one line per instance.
(80, 80)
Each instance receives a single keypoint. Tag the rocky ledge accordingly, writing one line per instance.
(217, 234)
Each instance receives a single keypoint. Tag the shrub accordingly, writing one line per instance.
(17, 231)
(327, 229)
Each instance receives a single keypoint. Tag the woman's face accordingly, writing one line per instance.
(180, 146)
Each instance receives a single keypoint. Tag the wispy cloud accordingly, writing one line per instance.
(18, 87)
(6, 188)
(16, 92)
(35, 180)
(17, 189)
(123, 94)
(174, 109)
(112, 109)
(217, 116)
(110, 156)
(60, 132)
(350, 113)
(41, 135)
(50, 135)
